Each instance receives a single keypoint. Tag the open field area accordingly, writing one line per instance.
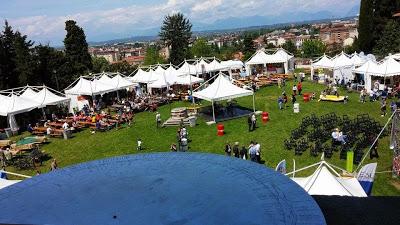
(85, 146)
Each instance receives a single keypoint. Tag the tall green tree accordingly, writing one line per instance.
(201, 48)
(313, 48)
(366, 26)
(390, 41)
(152, 56)
(76, 49)
(176, 32)
(290, 47)
(383, 14)
(24, 63)
(9, 78)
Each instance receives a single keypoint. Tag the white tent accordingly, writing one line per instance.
(232, 64)
(86, 87)
(142, 76)
(222, 89)
(213, 66)
(44, 97)
(358, 60)
(323, 63)
(326, 181)
(260, 57)
(188, 79)
(120, 82)
(13, 104)
(187, 68)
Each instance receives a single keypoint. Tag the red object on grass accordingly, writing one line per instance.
(265, 117)
(220, 129)
(306, 97)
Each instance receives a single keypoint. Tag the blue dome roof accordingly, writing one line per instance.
(162, 188)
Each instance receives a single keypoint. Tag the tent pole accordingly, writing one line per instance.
(212, 103)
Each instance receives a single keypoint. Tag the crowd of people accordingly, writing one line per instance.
(253, 151)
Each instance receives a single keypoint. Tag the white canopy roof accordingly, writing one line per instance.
(357, 60)
(342, 61)
(367, 67)
(389, 67)
(188, 79)
(187, 68)
(213, 66)
(142, 76)
(14, 104)
(87, 87)
(323, 182)
(260, 57)
(325, 63)
(44, 97)
(221, 89)
(232, 64)
(120, 82)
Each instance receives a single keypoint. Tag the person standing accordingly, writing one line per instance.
(252, 152)
(236, 150)
(383, 108)
(228, 149)
(184, 144)
(299, 87)
(249, 122)
(178, 138)
(257, 147)
(158, 119)
(293, 99)
(280, 102)
(294, 89)
(139, 144)
(243, 153)
(53, 165)
(253, 121)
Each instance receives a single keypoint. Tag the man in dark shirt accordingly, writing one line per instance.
(236, 150)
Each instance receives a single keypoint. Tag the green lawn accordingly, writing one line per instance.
(86, 146)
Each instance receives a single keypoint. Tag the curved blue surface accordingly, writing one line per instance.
(162, 188)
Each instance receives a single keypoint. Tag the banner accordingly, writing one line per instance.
(366, 177)
(349, 161)
(281, 167)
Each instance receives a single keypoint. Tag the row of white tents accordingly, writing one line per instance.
(345, 67)
(25, 99)
(280, 56)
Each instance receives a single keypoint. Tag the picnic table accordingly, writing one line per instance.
(39, 130)
(56, 124)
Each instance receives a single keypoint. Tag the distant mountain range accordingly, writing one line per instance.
(245, 23)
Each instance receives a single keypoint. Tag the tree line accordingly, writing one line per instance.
(378, 27)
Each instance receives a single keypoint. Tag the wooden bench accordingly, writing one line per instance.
(4, 143)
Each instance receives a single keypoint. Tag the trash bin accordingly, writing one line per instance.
(220, 129)
(296, 107)
(8, 132)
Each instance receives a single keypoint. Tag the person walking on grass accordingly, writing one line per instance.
(253, 121)
(158, 119)
(139, 144)
(243, 153)
(293, 99)
(294, 89)
(280, 102)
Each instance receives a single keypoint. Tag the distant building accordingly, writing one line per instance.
(134, 60)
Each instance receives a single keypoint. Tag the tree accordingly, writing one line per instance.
(24, 63)
(390, 40)
(49, 67)
(201, 48)
(383, 13)
(313, 48)
(122, 67)
(248, 45)
(176, 33)
(152, 56)
(9, 78)
(76, 49)
(366, 26)
(100, 64)
(290, 47)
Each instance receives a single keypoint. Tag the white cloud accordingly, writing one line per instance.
(141, 17)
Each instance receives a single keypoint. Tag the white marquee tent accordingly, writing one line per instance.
(326, 181)
(262, 58)
(88, 87)
(222, 89)
(389, 67)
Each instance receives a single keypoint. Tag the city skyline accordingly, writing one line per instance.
(43, 20)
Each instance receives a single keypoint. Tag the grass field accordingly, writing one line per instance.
(86, 146)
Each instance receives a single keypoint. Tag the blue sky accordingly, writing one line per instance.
(43, 20)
